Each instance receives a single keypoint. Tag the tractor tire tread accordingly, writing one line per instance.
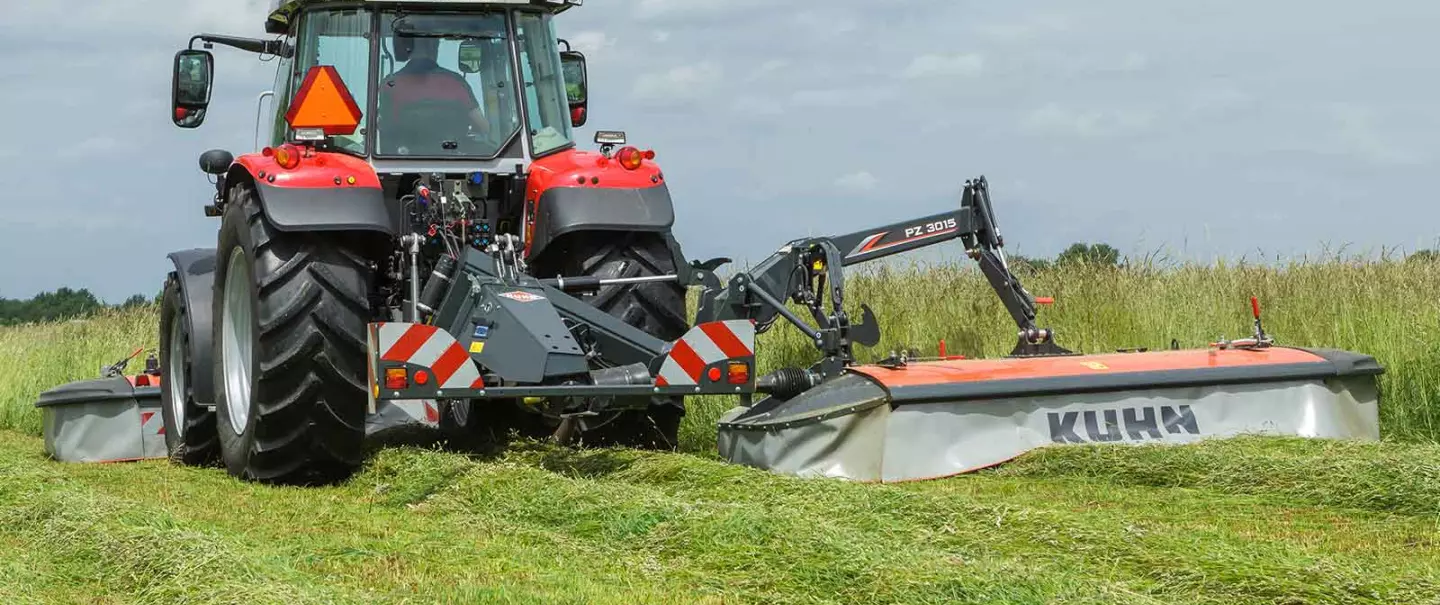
(308, 423)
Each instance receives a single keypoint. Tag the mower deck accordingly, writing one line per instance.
(940, 418)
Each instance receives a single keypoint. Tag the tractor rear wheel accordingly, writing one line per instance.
(189, 428)
(658, 308)
(290, 316)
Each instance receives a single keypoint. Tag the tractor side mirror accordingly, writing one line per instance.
(572, 63)
(470, 56)
(190, 90)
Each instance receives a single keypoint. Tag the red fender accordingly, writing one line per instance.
(317, 169)
(570, 174)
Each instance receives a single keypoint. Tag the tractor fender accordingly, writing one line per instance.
(326, 192)
(195, 270)
(563, 210)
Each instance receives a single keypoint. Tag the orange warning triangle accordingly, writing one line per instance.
(324, 102)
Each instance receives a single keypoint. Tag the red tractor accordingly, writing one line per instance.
(398, 134)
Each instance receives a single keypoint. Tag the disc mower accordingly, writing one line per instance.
(419, 228)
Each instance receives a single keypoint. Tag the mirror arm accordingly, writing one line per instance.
(264, 47)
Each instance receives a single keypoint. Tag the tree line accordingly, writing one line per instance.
(1077, 253)
(1108, 256)
(64, 303)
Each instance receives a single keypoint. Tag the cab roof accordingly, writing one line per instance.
(281, 11)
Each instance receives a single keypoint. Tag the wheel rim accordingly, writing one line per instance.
(175, 377)
(236, 341)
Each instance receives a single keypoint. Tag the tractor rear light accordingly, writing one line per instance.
(287, 156)
(738, 372)
(396, 379)
(714, 374)
(649, 154)
(422, 377)
(630, 157)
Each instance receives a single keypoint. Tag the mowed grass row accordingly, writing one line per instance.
(543, 525)
(1385, 309)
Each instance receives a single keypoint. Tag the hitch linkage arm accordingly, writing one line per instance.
(985, 246)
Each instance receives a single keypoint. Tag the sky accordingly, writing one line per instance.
(1192, 130)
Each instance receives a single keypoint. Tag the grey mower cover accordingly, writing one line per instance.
(102, 420)
(931, 420)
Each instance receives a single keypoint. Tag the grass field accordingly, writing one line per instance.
(1240, 521)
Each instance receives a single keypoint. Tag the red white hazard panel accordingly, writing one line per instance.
(704, 345)
(151, 423)
(429, 347)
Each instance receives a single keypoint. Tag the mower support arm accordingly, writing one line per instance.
(800, 271)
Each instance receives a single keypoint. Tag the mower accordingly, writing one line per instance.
(418, 239)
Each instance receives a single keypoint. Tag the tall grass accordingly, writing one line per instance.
(1382, 308)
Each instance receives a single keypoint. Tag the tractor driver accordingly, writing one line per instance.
(423, 79)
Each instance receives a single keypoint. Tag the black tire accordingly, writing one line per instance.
(190, 437)
(304, 423)
(657, 308)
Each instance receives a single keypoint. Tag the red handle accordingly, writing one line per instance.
(1255, 306)
(1044, 300)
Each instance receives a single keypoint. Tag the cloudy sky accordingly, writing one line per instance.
(1197, 129)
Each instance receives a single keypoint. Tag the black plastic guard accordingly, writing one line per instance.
(564, 210)
(196, 270)
(326, 209)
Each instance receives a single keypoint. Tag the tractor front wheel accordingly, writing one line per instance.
(189, 428)
(290, 316)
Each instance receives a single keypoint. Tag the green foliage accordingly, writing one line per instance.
(62, 304)
(1094, 254)
(1424, 256)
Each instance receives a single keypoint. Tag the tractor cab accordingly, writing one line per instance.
(474, 100)
(453, 87)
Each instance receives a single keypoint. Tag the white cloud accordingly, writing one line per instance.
(1134, 61)
(841, 98)
(858, 181)
(179, 18)
(93, 146)
(931, 66)
(1357, 134)
(590, 42)
(683, 83)
(751, 105)
(651, 9)
(826, 23)
(1054, 119)
(769, 67)
(1026, 29)
(1218, 99)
